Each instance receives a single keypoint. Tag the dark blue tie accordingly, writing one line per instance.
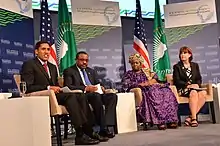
(86, 78)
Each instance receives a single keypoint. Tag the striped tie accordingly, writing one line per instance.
(45, 67)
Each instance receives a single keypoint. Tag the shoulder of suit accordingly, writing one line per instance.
(91, 69)
(73, 67)
(30, 61)
(177, 64)
(194, 64)
(51, 64)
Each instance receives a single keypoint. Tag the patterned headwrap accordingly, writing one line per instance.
(137, 56)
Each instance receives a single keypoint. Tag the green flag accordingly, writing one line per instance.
(66, 40)
(161, 60)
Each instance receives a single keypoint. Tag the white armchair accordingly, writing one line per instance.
(56, 110)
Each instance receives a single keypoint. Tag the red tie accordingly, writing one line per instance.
(45, 67)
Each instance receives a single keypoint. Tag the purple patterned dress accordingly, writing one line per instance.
(159, 104)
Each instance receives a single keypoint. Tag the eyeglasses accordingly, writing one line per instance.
(86, 60)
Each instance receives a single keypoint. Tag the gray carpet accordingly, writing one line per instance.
(204, 135)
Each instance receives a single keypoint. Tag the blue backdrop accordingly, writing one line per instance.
(16, 46)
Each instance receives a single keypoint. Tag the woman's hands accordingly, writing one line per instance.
(144, 84)
(148, 83)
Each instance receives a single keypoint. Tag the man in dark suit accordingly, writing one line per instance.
(80, 76)
(39, 74)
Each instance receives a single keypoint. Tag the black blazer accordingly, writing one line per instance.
(35, 76)
(73, 80)
(180, 78)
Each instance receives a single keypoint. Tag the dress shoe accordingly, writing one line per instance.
(99, 137)
(107, 133)
(145, 126)
(161, 127)
(85, 140)
(172, 125)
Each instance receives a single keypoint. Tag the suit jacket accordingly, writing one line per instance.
(73, 80)
(180, 78)
(35, 76)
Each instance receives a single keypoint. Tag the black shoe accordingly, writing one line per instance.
(99, 137)
(85, 140)
(145, 126)
(172, 125)
(107, 133)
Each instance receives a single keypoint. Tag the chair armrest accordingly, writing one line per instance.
(169, 78)
(54, 106)
(110, 91)
(174, 90)
(40, 93)
(76, 91)
(209, 91)
(209, 88)
(138, 95)
(136, 91)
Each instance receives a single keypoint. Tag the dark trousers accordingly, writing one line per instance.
(104, 116)
(78, 108)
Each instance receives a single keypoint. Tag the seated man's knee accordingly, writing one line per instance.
(71, 98)
(81, 97)
(94, 97)
(110, 99)
(114, 96)
(97, 96)
(111, 96)
(193, 93)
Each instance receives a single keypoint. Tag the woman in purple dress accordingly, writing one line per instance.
(159, 105)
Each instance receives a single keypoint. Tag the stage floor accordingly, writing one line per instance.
(204, 135)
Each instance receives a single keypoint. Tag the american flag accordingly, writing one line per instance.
(46, 31)
(140, 40)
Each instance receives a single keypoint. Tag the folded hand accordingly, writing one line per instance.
(91, 88)
(144, 84)
(56, 89)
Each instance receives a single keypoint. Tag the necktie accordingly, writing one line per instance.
(86, 78)
(45, 67)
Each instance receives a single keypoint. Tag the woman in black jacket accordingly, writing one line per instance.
(187, 79)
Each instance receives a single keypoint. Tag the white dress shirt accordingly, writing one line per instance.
(81, 75)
